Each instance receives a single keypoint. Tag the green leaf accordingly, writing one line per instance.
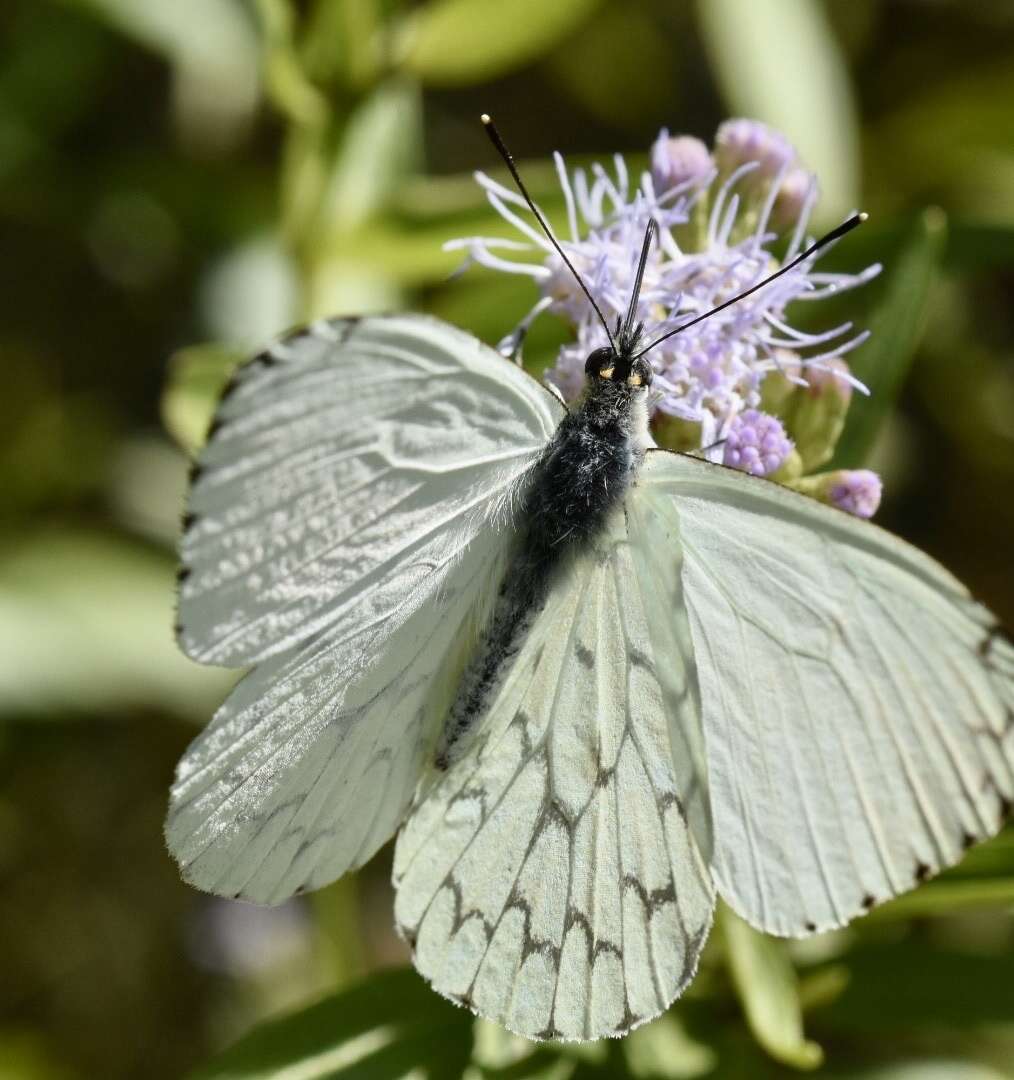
(197, 376)
(664, 1049)
(499, 1054)
(457, 42)
(974, 246)
(633, 87)
(381, 145)
(391, 1025)
(251, 293)
(288, 87)
(947, 897)
(992, 859)
(779, 61)
(951, 140)
(900, 986)
(931, 1069)
(339, 923)
(896, 328)
(206, 31)
(212, 45)
(86, 625)
(344, 41)
(767, 986)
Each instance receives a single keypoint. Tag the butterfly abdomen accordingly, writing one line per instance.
(582, 474)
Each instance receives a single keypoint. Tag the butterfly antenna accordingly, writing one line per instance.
(626, 334)
(834, 234)
(497, 141)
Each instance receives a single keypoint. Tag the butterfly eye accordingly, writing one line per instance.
(600, 363)
(640, 374)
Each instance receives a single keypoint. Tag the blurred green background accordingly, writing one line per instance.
(180, 179)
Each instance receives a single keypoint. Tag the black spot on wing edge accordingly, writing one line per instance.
(997, 632)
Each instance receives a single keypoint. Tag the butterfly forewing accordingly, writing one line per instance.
(345, 462)
(858, 705)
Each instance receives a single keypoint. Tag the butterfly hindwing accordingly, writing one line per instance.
(310, 764)
(343, 463)
(858, 705)
(555, 878)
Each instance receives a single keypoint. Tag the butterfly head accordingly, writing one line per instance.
(619, 368)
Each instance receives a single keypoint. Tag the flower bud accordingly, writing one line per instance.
(815, 414)
(779, 385)
(857, 491)
(675, 432)
(740, 141)
(792, 194)
(679, 160)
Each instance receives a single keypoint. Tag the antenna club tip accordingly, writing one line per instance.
(863, 216)
(485, 119)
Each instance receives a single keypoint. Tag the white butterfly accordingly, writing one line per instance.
(725, 687)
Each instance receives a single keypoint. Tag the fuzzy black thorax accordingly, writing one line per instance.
(586, 468)
(583, 473)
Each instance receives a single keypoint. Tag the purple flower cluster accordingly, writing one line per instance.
(721, 215)
(857, 491)
(756, 443)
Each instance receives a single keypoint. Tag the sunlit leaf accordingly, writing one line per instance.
(391, 1025)
(896, 328)
(994, 858)
(250, 294)
(809, 99)
(453, 42)
(346, 286)
(766, 982)
(499, 1054)
(196, 378)
(459, 196)
(382, 143)
(213, 47)
(663, 1049)
(146, 487)
(344, 41)
(288, 88)
(945, 897)
(86, 625)
(339, 922)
